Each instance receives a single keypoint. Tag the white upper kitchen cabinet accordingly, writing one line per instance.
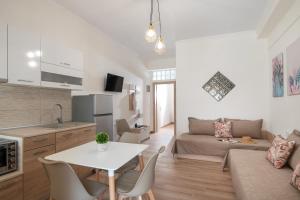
(24, 53)
(57, 54)
(61, 67)
(3, 53)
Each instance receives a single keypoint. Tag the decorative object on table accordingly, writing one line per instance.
(277, 69)
(102, 141)
(293, 66)
(295, 181)
(218, 86)
(223, 129)
(151, 36)
(247, 140)
(280, 151)
(228, 140)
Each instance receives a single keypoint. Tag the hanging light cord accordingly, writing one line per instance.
(158, 9)
(151, 13)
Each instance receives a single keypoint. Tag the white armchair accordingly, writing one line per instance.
(123, 126)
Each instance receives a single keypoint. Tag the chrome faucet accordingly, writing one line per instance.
(60, 119)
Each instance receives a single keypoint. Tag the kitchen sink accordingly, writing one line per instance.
(54, 126)
(61, 126)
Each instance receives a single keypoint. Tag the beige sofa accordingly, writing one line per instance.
(200, 139)
(254, 177)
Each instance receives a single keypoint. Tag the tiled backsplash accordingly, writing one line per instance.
(26, 106)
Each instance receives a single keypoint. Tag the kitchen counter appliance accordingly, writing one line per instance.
(8, 156)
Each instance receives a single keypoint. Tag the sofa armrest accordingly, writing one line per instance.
(136, 130)
(267, 135)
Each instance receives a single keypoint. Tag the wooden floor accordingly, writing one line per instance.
(184, 179)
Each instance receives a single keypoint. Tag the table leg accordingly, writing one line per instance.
(97, 175)
(141, 162)
(151, 195)
(112, 185)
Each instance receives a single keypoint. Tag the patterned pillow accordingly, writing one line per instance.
(223, 129)
(280, 151)
(296, 177)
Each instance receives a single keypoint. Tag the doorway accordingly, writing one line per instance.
(164, 112)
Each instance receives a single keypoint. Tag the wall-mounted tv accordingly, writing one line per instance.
(114, 83)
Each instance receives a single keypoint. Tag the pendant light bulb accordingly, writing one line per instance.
(150, 35)
(160, 46)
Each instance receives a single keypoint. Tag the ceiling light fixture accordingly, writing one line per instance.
(151, 36)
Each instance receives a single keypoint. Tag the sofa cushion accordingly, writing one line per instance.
(200, 145)
(295, 156)
(254, 178)
(201, 127)
(296, 177)
(223, 129)
(210, 146)
(280, 151)
(242, 128)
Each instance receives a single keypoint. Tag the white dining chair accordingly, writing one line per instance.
(65, 185)
(132, 164)
(135, 183)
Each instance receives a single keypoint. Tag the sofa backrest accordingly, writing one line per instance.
(201, 127)
(295, 157)
(242, 128)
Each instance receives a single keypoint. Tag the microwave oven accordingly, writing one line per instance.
(8, 156)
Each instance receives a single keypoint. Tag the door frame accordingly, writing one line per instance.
(154, 103)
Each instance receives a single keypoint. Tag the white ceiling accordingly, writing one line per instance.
(127, 20)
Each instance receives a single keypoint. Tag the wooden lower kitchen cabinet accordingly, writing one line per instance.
(36, 183)
(69, 139)
(12, 189)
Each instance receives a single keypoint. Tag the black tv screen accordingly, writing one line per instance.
(114, 83)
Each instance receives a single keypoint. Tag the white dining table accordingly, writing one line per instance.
(116, 155)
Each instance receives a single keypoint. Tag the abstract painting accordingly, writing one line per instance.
(277, 69)
(218, 86)
(293, 67)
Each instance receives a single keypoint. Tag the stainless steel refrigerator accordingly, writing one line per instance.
(96, 108)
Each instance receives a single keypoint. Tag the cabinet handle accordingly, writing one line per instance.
(26, 81)
(68, 135)
(63, 63)
(39, 152)
(41, 140)
(65, 85)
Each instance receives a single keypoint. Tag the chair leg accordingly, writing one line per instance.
(151, 195)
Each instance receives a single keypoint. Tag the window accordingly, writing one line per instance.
(163, 74)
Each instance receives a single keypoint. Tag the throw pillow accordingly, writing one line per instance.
(201, 126)
(223, 129)
(280, 151)
(296, 177)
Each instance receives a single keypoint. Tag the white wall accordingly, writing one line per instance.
(285, 111)
(165, 104)
(162, 63)
(240, 57)
(101, 53)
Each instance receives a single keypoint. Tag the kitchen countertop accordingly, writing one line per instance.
(43, 129)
